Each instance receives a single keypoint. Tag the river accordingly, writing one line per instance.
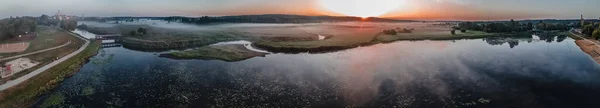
(536, 71)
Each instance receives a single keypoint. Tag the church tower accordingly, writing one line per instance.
(582, 21)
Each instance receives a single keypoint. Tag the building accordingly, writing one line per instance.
(582, 21)
(60, 16)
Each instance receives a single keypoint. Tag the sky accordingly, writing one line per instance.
(409, 9)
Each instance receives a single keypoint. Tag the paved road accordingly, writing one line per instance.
(19, 80)
(31, 53)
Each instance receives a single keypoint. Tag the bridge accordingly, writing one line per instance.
(108, 37)
(109, 45)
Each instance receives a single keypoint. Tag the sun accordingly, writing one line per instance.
(362, 8)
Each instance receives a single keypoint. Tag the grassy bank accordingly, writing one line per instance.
(26, 93)
(228, 53)
(48, 56)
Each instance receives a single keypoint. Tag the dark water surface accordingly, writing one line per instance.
(493, 72)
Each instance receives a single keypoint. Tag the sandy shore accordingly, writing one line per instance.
(590, 48)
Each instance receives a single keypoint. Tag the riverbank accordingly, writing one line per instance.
(590, 47)
(43, 50)
(283, 38)
(26, 93)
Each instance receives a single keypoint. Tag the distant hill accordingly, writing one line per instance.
(265, 18)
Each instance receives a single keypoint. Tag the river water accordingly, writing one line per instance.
(536, 71)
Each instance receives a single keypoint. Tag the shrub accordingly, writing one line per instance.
(405, 30)
(133, 33)
(596, 34)
(453, 31)
(463, 30)
(390, 32)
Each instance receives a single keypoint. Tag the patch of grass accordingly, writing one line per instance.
(53, 100)
(224, 52)
(87, 91)
(574, 37)
(24, 94)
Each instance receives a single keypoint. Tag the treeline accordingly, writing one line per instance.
(592, 30)
(65, 24)
(273, 18)
(13, 27)
(511, 26)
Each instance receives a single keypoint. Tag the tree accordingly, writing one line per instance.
(390, 32)
(133, 33)
(142, 31)
(588, 30)
(596, 34)
(513, 25)
(541, 26)
(68, 24)
(530, 26)
(44, 17)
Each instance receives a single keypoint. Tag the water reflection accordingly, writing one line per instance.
(525, 72)
(514, 41)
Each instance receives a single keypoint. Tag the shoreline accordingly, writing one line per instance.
(27, 92)
(587, 46)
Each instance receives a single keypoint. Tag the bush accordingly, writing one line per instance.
(405, 30)
(596, 34)
(453, 31)
(463, 30)
(390, 32)
(133, 33)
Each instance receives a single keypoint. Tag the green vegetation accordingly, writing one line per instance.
(144, 37)
(47, 37)
(27, 92)
(13, 27)
(433, 35)
(87, 91)
(53, 100)
(511, 26)
(222, 52)
(57, 37)
(390, 32)
(591, 30)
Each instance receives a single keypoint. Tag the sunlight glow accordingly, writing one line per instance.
(362, 8)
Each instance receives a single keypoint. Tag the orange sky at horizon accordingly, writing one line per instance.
(415, 10)
(411, 9)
